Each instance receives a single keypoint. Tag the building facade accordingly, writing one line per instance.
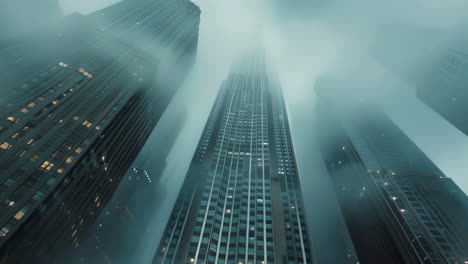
(241, 201)
(70, 132)
(133, 204)
(398, 206)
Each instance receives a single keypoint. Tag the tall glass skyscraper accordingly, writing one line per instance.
(399, 207)
(241, 201)
(72, 126)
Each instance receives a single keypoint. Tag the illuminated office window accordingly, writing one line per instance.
(5, 145)
(47, 165)
(69, 160)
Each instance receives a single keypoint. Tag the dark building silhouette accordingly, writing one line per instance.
(133, 203)
(399, 207)
(241, 201)
(70, 130)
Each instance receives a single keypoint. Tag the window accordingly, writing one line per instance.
(87, 123)
(51, 181)
(4, 231)
(5, 145)
(69, 160)
(34, 158)
(47, 165)
(59, 171)
(21, 213)
(11, 118)
(24, 110)
(78, 150)
(76, 117)
(21, 152)
(9, 182)
(38, 195)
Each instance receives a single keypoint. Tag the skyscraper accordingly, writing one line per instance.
(241, 201)
(135, 201)
(444, 88)
(69, 133)
(399, 207)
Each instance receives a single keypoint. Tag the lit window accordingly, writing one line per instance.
(15, 135)
(78, 150)
(34, 158)
(40, 98)
(11, 118)
(5, 145)
(47, 165)
(54, 102)
(21, 213)
(76, 117)
(32, 104)
(69, 160)
(30, 141)
(59, 171)
(97, 128)
(24, 110)
(85, 123)
(81, 70)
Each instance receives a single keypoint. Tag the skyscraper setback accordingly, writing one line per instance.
(399, 207)
(241, 201)
(70, 131)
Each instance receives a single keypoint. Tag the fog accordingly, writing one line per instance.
(305, 40)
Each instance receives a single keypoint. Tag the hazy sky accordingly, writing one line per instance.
(84, 6)
(307, 39)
